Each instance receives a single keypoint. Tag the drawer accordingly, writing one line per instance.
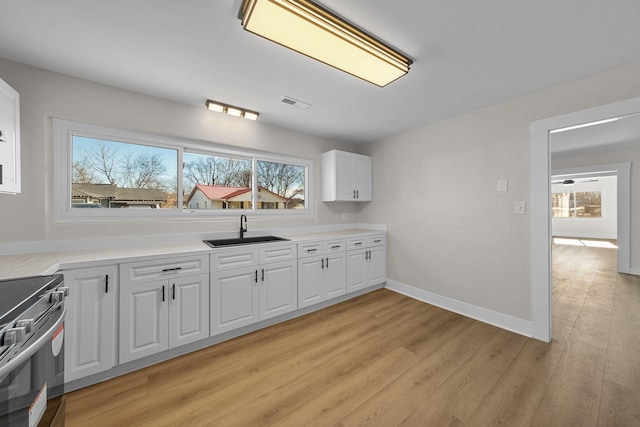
(357, 243)
(310, 249)
(376, 240)
(224, 259)
(163, 268)
(335, 246)
(274, 253)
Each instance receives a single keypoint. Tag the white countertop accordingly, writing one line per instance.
(33, 264)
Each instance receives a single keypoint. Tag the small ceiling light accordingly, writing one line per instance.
(231, 110)
(250, 115)
(312, 30)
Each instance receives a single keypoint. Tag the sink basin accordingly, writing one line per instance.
(243, 241)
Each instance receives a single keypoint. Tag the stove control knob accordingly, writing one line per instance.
(14, 336)
(65, 290)
(27, 324)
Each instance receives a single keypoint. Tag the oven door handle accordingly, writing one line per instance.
(33, 348)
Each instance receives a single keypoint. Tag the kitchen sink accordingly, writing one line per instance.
(243, 241)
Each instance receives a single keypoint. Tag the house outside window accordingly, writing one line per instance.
(572, 204)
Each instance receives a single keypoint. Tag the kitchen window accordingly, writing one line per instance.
(103, 172)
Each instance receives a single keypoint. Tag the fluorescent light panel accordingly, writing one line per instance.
(313, 31)
(231, 110)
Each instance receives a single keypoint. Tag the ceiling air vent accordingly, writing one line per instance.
(295, 102)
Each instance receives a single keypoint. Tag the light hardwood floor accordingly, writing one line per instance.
(386, 360)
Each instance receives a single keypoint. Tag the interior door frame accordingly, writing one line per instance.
(540, 220)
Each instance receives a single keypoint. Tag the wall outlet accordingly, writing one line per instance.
(503, 185)
(344, 217)
(519, 208)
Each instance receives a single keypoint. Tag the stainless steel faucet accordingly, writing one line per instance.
(243, 229)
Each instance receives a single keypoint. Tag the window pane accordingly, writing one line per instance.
(561, 205)
(589, 204)
(214, 182)
(111, 174)
(280, 186)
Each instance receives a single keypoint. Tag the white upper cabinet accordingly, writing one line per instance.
(9, 139)
(346, 177)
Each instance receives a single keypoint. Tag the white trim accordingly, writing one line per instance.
(504, 321)
(541, 201)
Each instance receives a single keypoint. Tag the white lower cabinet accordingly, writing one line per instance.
(162, 313)
(366, 262)
(321, 271)
(156, 316)
(257, 291)
(90, 322)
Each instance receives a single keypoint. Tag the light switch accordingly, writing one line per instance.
(519, 208)
(503, 185)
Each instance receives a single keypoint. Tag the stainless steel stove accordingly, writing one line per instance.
(32, 311)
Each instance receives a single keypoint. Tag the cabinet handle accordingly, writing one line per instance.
(377, 241)
(357, 244)
(164, 270)
(256, 276)
(106, 284)
(173, 292)
(327, 263)
(367, 255)
(335, 247)
(357, 194)
(323, 263)
(162, 293)
(311, 250)
(354, 194)
(263, 274)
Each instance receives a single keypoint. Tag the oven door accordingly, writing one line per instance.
(34, 375)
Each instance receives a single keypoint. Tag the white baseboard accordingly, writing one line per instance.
(504, 321)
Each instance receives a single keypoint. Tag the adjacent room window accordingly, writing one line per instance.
(572, 204)
(103, 172)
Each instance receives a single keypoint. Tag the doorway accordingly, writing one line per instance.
(541, 134)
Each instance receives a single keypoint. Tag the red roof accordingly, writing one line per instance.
(220, 192)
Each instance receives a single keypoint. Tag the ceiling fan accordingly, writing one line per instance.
(568, 182)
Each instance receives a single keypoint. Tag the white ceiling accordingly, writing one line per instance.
(467, 54)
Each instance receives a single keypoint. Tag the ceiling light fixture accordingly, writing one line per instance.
(307, 28)
(231, 110)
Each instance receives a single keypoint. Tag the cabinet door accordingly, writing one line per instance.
(278, 289)
(234, 299)
(9, 139)
(90, 321)
(310, 275)
(361, 178)
(144, 320)
(188, 309)
(356, 270)
(335, 275)
(377, 266)
(344, 184)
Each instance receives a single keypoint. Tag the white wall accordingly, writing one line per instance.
(45, 95)
(450, 232)
(596, 228)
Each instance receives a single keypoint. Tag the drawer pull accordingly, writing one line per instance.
(357, 243)
(106, 284)
(164, 270)
(311, 250)
(377, 241)
(335, 247)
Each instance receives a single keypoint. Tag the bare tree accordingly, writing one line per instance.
(143, 171)
(81, 174)
(102, 159)
(281, 178)
(212, 170)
